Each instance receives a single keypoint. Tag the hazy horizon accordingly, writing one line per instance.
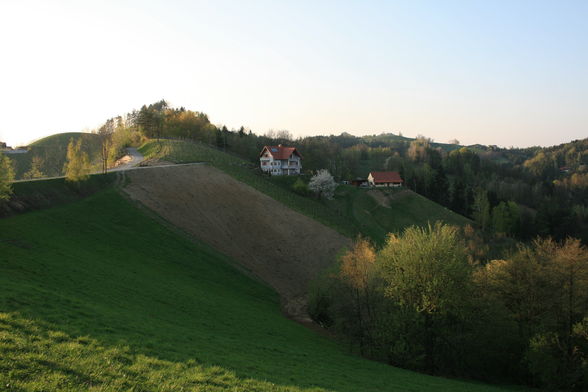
(500, 73)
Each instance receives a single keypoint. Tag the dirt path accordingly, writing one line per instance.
(283, 248)
(384, 199)
(132, 159)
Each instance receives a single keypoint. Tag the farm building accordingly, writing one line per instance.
(361, 182)
(279, 160)
(384, 179)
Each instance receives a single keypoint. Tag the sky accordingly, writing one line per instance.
(510, 73)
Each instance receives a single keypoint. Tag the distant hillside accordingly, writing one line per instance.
(352, 212)
(52, 151)
(96, 295)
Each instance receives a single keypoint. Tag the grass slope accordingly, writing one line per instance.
(352, 212)
(405, 208)
(34, 195)
(95, 295)
(53, 150)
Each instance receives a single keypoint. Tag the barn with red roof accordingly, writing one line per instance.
(385, 179)
(280, 160)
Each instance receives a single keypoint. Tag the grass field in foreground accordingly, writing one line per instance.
(95, 295)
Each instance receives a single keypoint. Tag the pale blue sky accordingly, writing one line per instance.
(493, 72)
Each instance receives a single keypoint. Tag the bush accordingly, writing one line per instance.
(300, 187)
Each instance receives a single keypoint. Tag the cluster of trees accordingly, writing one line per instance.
(424, 301)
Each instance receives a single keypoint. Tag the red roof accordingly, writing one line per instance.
(380, 177)
(280, 152)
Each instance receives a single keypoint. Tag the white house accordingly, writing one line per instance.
(384, 179)
(280, 160)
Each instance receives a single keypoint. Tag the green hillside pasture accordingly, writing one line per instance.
(34, 195)
(53, 151)
(352, 212)
(95, 295)
(404, 208)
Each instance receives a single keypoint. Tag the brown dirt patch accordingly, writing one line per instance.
(384, 198)
(156, 162)
(283, 248)
(379, 197)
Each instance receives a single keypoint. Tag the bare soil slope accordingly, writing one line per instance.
(280, 246)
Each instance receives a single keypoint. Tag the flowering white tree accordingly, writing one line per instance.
(323, 184)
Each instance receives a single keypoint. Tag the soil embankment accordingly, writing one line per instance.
(283, 248)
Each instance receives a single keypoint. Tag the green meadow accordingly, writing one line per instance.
(98, 295)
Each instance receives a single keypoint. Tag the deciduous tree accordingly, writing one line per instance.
(323, 184)
(426, 270)
(77, 166)
(35, 170)
(6, 177)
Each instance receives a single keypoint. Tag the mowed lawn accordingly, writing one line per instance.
(96, 295)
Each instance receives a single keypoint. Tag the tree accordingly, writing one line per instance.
(357, 272)
(6, 177)
(35, 170)
(77, 166)
(300, 187)
(418, 148)
(426, 271)
(506, 217)
(544, 286)
(105, 132)
(323, 184)
(481, 209)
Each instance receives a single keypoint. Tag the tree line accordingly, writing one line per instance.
(520, 193)
(513, 192)
(426, 301)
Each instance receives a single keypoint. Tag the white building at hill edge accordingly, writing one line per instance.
(279, 160)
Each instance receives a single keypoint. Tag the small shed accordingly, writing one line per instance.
(359, 181)
(385, 179)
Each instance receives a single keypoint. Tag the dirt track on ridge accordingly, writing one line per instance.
(283, 248)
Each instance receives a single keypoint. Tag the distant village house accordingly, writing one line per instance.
(279, 160)
(385, 179)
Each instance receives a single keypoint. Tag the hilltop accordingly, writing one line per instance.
(52, 151)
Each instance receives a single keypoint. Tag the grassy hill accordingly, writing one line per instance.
(381, 211)
(95, 295)
(53, 150)
(354, 211)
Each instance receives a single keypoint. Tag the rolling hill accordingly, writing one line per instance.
(352, 212)
(52, 151)
(97, 295)
(282, 247)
